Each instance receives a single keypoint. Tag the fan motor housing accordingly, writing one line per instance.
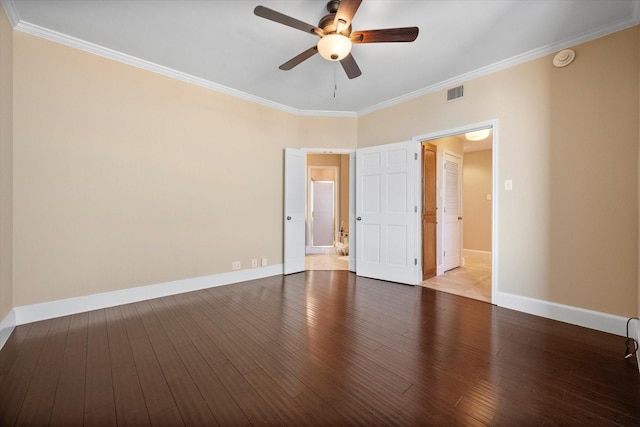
(326, 24)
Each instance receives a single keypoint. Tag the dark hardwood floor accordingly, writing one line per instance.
(315, 348)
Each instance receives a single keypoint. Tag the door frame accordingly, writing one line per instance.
(352, 191)
(309, 249)
(493, 123)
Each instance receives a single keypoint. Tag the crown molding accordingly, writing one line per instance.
(56, 37)
(35, 30)
(11, 11)
(516, 60)
(108, 53)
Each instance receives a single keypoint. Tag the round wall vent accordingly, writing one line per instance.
(564, 58)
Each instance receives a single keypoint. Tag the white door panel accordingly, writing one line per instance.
(352, 212)
(452, 230)
(386, 205)
(295, 166)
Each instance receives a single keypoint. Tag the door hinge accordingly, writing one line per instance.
(415, 208)
(415, 261)
(415, 156)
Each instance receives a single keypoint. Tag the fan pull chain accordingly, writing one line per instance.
(335, 80)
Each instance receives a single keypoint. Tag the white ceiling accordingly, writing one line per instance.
(222, 45)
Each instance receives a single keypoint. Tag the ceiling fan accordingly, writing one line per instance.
(335, 34)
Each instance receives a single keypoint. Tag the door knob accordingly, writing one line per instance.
(359, 218)
(288, 218)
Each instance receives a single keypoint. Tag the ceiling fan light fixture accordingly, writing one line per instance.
(477, 135)
(334, 47)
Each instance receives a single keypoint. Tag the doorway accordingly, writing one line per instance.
(463, 243)
(327, 212)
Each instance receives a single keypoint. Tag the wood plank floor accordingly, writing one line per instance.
(315, 348)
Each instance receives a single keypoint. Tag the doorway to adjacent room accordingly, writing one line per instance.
(457, 214)
(327, 212)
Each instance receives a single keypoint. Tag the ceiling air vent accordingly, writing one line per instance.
(455, 93)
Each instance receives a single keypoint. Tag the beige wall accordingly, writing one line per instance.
(6, 147)
(568, 138)
(477, 181)
(125, 178)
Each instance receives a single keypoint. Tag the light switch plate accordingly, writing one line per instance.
(508, 185)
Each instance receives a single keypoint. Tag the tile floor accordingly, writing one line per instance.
(326, 262)
(471, 281)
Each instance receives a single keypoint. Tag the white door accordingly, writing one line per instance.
(352, 212)
(295, 166)
(387, 213)
(452, 229)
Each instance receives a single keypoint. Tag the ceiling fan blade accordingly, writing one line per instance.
(272, 15)
(344, 15)
(350, 67)
(299, 58)
(407, 34)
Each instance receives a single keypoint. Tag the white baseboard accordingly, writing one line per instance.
(48, 310)
(472, 253)
(634, 332)
(637, 338)
(565, 313)
(7, 325)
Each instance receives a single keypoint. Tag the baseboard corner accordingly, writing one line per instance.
(591, 319)
(65, 307)
(7, 325)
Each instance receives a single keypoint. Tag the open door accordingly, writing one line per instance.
(295, 166)
(387, 215)
(452, 215)
(352, 212)
(429, 210)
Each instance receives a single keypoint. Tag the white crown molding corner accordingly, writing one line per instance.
(511, 62)
(56, 37)
(7, 325)
(11, 11)
(564, 313)
(51, 309)
(114, 55)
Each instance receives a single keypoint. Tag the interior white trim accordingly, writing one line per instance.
(501, 65)
(108, 53)
(635, 333)
(564, 313)
(493, 124)
(11, 11)
(26, 27)
(32, 313)
(48, 310)
(7, 325)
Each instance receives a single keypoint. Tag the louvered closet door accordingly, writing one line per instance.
(452, 230)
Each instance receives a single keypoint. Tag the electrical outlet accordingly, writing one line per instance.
(254, 262)
(263, 262)
(235, 265)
